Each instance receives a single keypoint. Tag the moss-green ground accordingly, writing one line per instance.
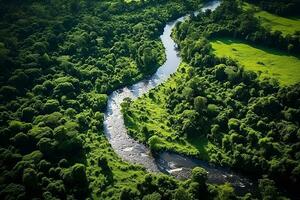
(274, 22)
(269, 62)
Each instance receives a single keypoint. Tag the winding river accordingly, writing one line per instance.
(133, 151)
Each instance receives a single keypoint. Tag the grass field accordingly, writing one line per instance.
(152, 113)
(270, 63)
(275, 22)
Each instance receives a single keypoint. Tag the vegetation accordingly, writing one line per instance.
(214, 106)
(147, 119)
(59, 60)
(279, 7)
(286, 25)
(265, 61)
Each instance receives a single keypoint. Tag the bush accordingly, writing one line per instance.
(153, 142)
(34, 157)
(14, 191)
(57, 188)
(21, 141)
(212, 110)
(30, 178)
(199, 175)
(51, 106)
(18, 126)
(225, 192)
(64, 88)
(267, 189)
(153, 196)
(128, 194)
(27, 114)
(200, 103)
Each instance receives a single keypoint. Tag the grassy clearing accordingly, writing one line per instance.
(151, 112)
(267, 62)
(275, 22)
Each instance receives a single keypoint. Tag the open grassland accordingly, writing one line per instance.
(267, 62)
(274, 22)
(150, 111)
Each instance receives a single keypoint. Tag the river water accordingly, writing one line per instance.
(133, 151)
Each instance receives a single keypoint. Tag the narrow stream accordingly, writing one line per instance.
(133, 151)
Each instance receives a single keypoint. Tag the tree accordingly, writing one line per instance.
(128, 194)
(189, 120)
(200, 103)
(46, 146)
(27, 114)
(8, 92)
(267, 189)
(57, 188)
(64, 88)
(233, 124)
(220, 72)
(14, 191)
(30, 178)
(153, 196)
(51, 106)
(199, 175)
(226, 192)
(22, 141)
(181, 194)
(153, 142)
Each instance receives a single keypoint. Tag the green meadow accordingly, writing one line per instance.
(274, 22)
(267, 62)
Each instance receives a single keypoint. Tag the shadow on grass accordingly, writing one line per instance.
(200, 143)
(230, 41)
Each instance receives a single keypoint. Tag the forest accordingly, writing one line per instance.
(217, 110)
(60, 62)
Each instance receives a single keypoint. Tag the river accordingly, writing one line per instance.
(133, 151)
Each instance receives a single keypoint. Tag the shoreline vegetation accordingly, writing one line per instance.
(59, 61)
(222, 106)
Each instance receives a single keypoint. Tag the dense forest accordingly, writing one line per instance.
(60, 60)
(252, 124)
(255, 122)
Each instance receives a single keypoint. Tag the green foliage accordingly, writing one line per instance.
(181, 194)
(153, 196)
(225, 192)
(128, 194)
(213, 106)
(15, 191)
(267, 62)
(51, 106)
(58, 62)
(153, 142)
(268, 189)
(199, 175)
(30, 178)
(34, 157)
(200, 103)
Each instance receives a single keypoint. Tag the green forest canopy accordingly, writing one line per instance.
(59, 60)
